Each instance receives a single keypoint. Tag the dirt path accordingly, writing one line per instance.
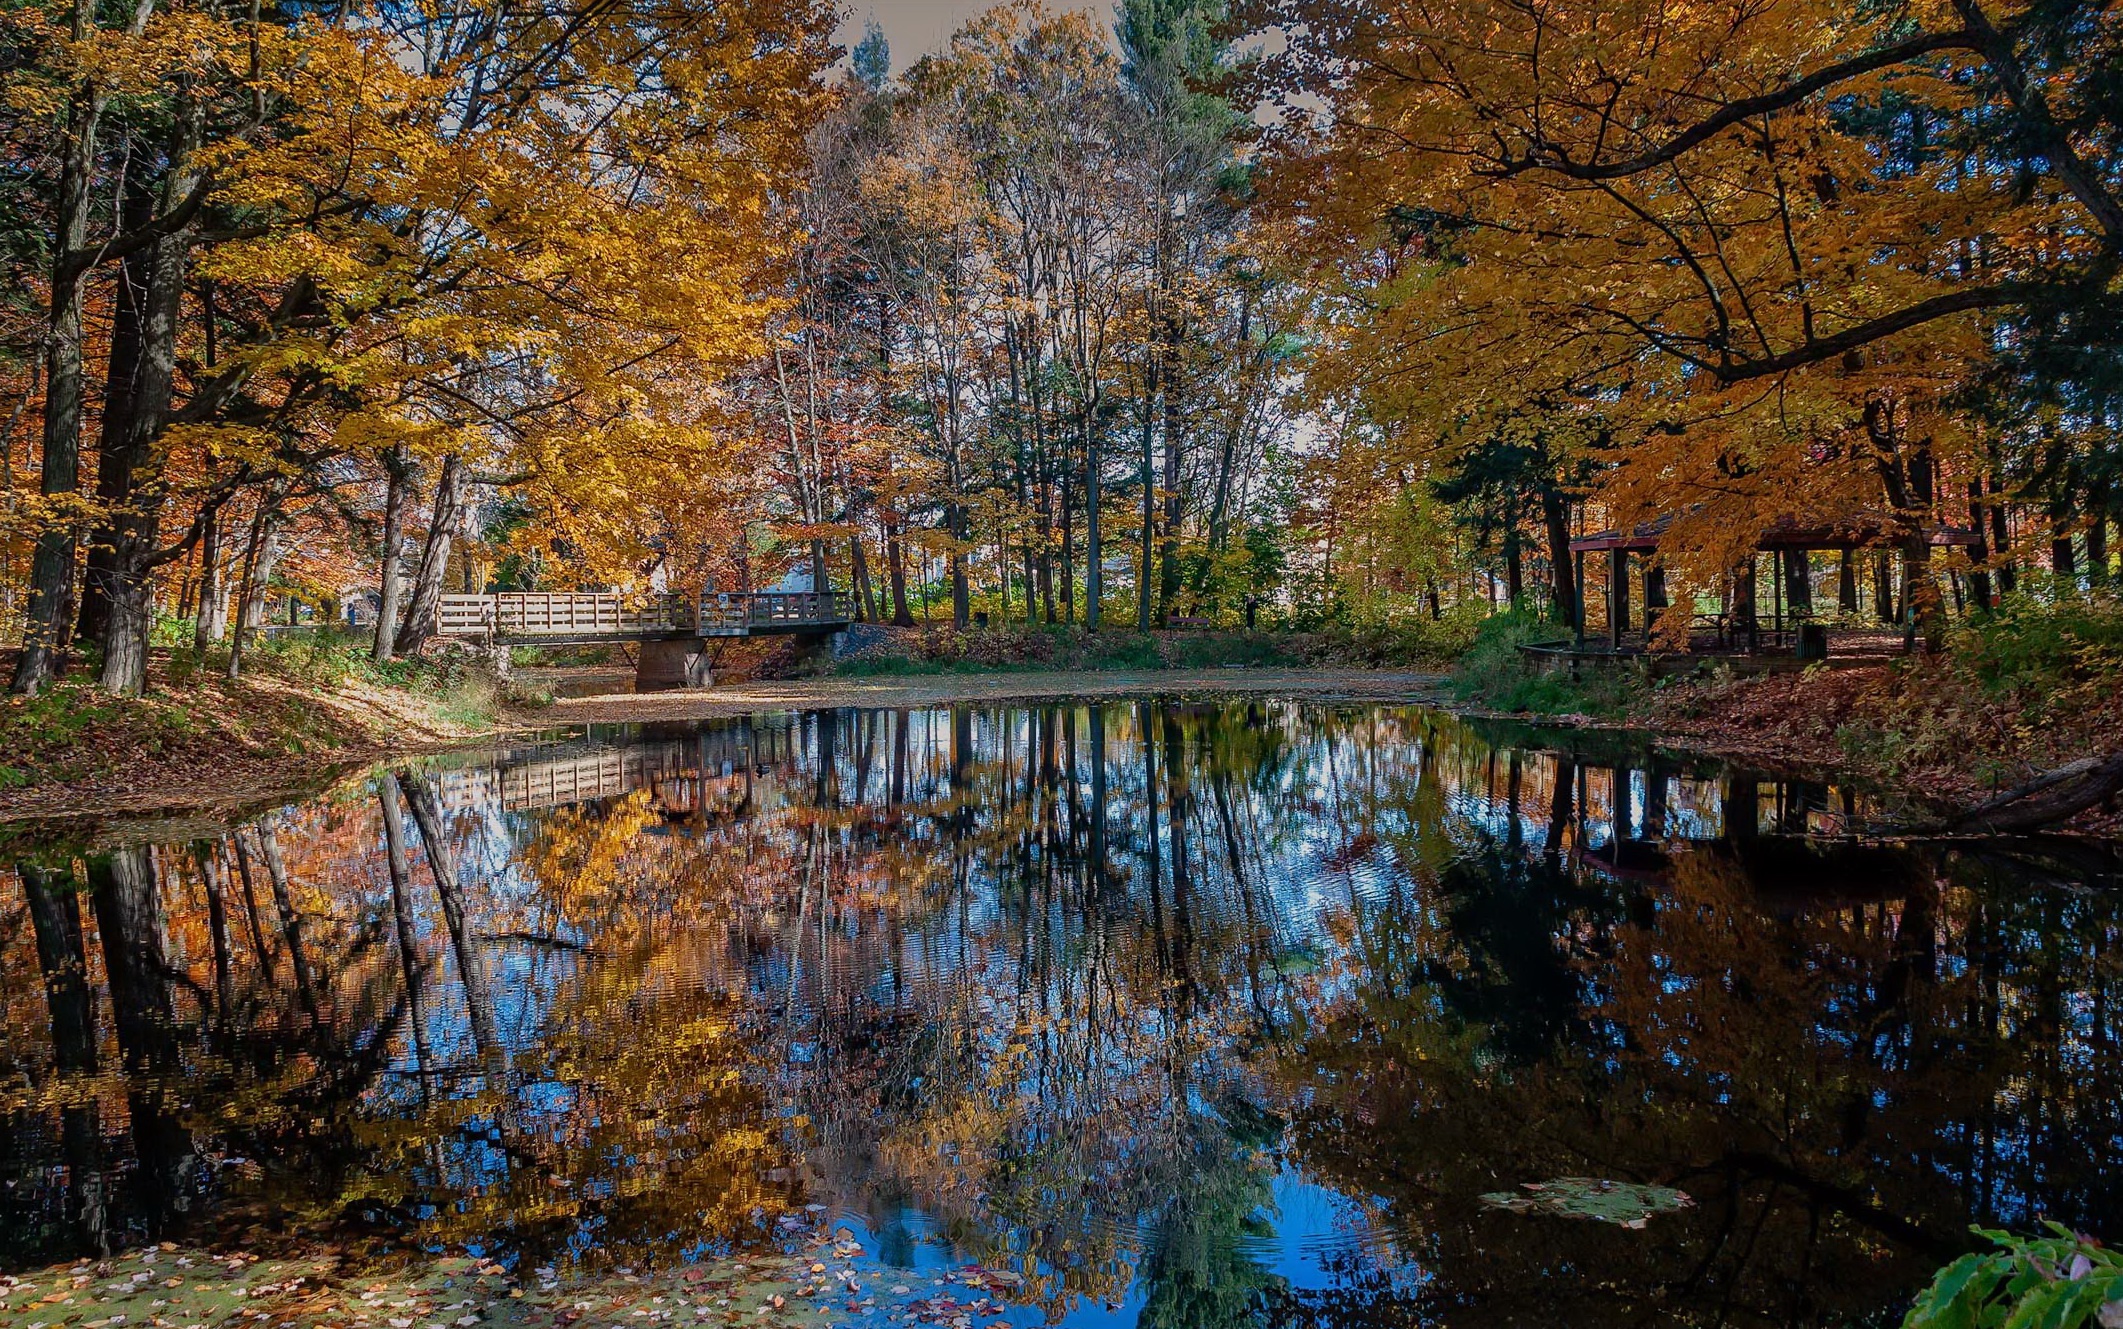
(942, 689)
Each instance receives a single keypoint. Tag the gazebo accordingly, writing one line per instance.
(1738, 629)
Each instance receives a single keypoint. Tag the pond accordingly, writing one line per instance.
(1143, 1013)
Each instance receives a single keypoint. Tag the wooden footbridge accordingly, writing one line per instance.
(672, 629)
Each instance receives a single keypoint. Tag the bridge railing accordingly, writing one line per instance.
(601, 614)
(799, 607)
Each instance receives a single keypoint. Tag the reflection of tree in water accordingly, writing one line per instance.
(1841, 1085)
(1055, 979)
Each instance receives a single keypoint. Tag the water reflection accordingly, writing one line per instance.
(1201, 1015)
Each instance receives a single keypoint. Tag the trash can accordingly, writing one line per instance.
(1813, 641)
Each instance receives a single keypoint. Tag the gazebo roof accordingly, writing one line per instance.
(1784, 533)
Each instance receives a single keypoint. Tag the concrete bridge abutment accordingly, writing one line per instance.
(670, 663)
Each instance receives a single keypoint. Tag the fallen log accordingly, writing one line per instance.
(2052, 797)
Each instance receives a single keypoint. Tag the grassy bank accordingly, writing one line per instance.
(302, 703)
(2025, 689)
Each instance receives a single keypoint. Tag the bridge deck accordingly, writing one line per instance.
(564, 617)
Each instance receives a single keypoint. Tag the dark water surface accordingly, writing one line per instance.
(1192, 1014)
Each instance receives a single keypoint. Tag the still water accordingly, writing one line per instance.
(1188, 1014)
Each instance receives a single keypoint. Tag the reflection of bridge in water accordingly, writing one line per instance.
(680, 770)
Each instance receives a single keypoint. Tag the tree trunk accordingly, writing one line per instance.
(1926, 603)
(1979, 553)
(137, 408)
(396, 470)
(121, 384)
(211, 623)
(1798, 583)
(2001, 531)
(896, 569)
(2061, 559)
(52, 563)
(1883, 586)
(2097, 536)
(1094, 544)
(258, 560)
(1149, 534)
(1562, 585)
(1168, 549)
(859, 573)
(961, 593)
(1847, 583)
(434, 559)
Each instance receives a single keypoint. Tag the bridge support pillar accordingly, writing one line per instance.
(680, 662)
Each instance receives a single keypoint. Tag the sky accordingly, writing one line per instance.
(915, 28)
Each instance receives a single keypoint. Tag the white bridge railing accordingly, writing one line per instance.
(580, 614)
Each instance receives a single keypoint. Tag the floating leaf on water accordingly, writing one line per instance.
(1624, 1203)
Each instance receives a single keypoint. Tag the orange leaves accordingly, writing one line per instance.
(1724, 224)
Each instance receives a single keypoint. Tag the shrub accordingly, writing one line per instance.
(2062, 1281)
(1494, 672)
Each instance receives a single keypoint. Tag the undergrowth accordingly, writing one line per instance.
(943, 650)
(2035, 683)
(1496, 674)
(74, 732)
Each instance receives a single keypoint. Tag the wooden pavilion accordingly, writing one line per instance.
(1790, 628)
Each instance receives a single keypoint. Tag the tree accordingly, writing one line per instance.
(1775, 243)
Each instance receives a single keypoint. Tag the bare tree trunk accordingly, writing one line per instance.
(396, 470)
(258, 562)
(1149, 531)
(434, 559)
(1094, 542)
(212, 621)
(1168, 548)
(859, 573)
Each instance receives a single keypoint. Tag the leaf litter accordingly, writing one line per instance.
(1622, 1203)
(819, 1281)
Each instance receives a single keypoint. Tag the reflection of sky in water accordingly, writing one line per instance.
(1381, 892)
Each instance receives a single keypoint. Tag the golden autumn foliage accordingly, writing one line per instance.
(1768, 247)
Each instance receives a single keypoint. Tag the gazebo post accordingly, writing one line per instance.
(1577, 598)
(1776, 589)
(1617, 596)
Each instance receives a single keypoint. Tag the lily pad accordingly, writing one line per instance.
(1622, 1203)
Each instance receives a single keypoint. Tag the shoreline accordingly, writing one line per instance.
(203, 793)
(172, 801)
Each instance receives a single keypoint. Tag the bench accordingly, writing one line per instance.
(1189, 621)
